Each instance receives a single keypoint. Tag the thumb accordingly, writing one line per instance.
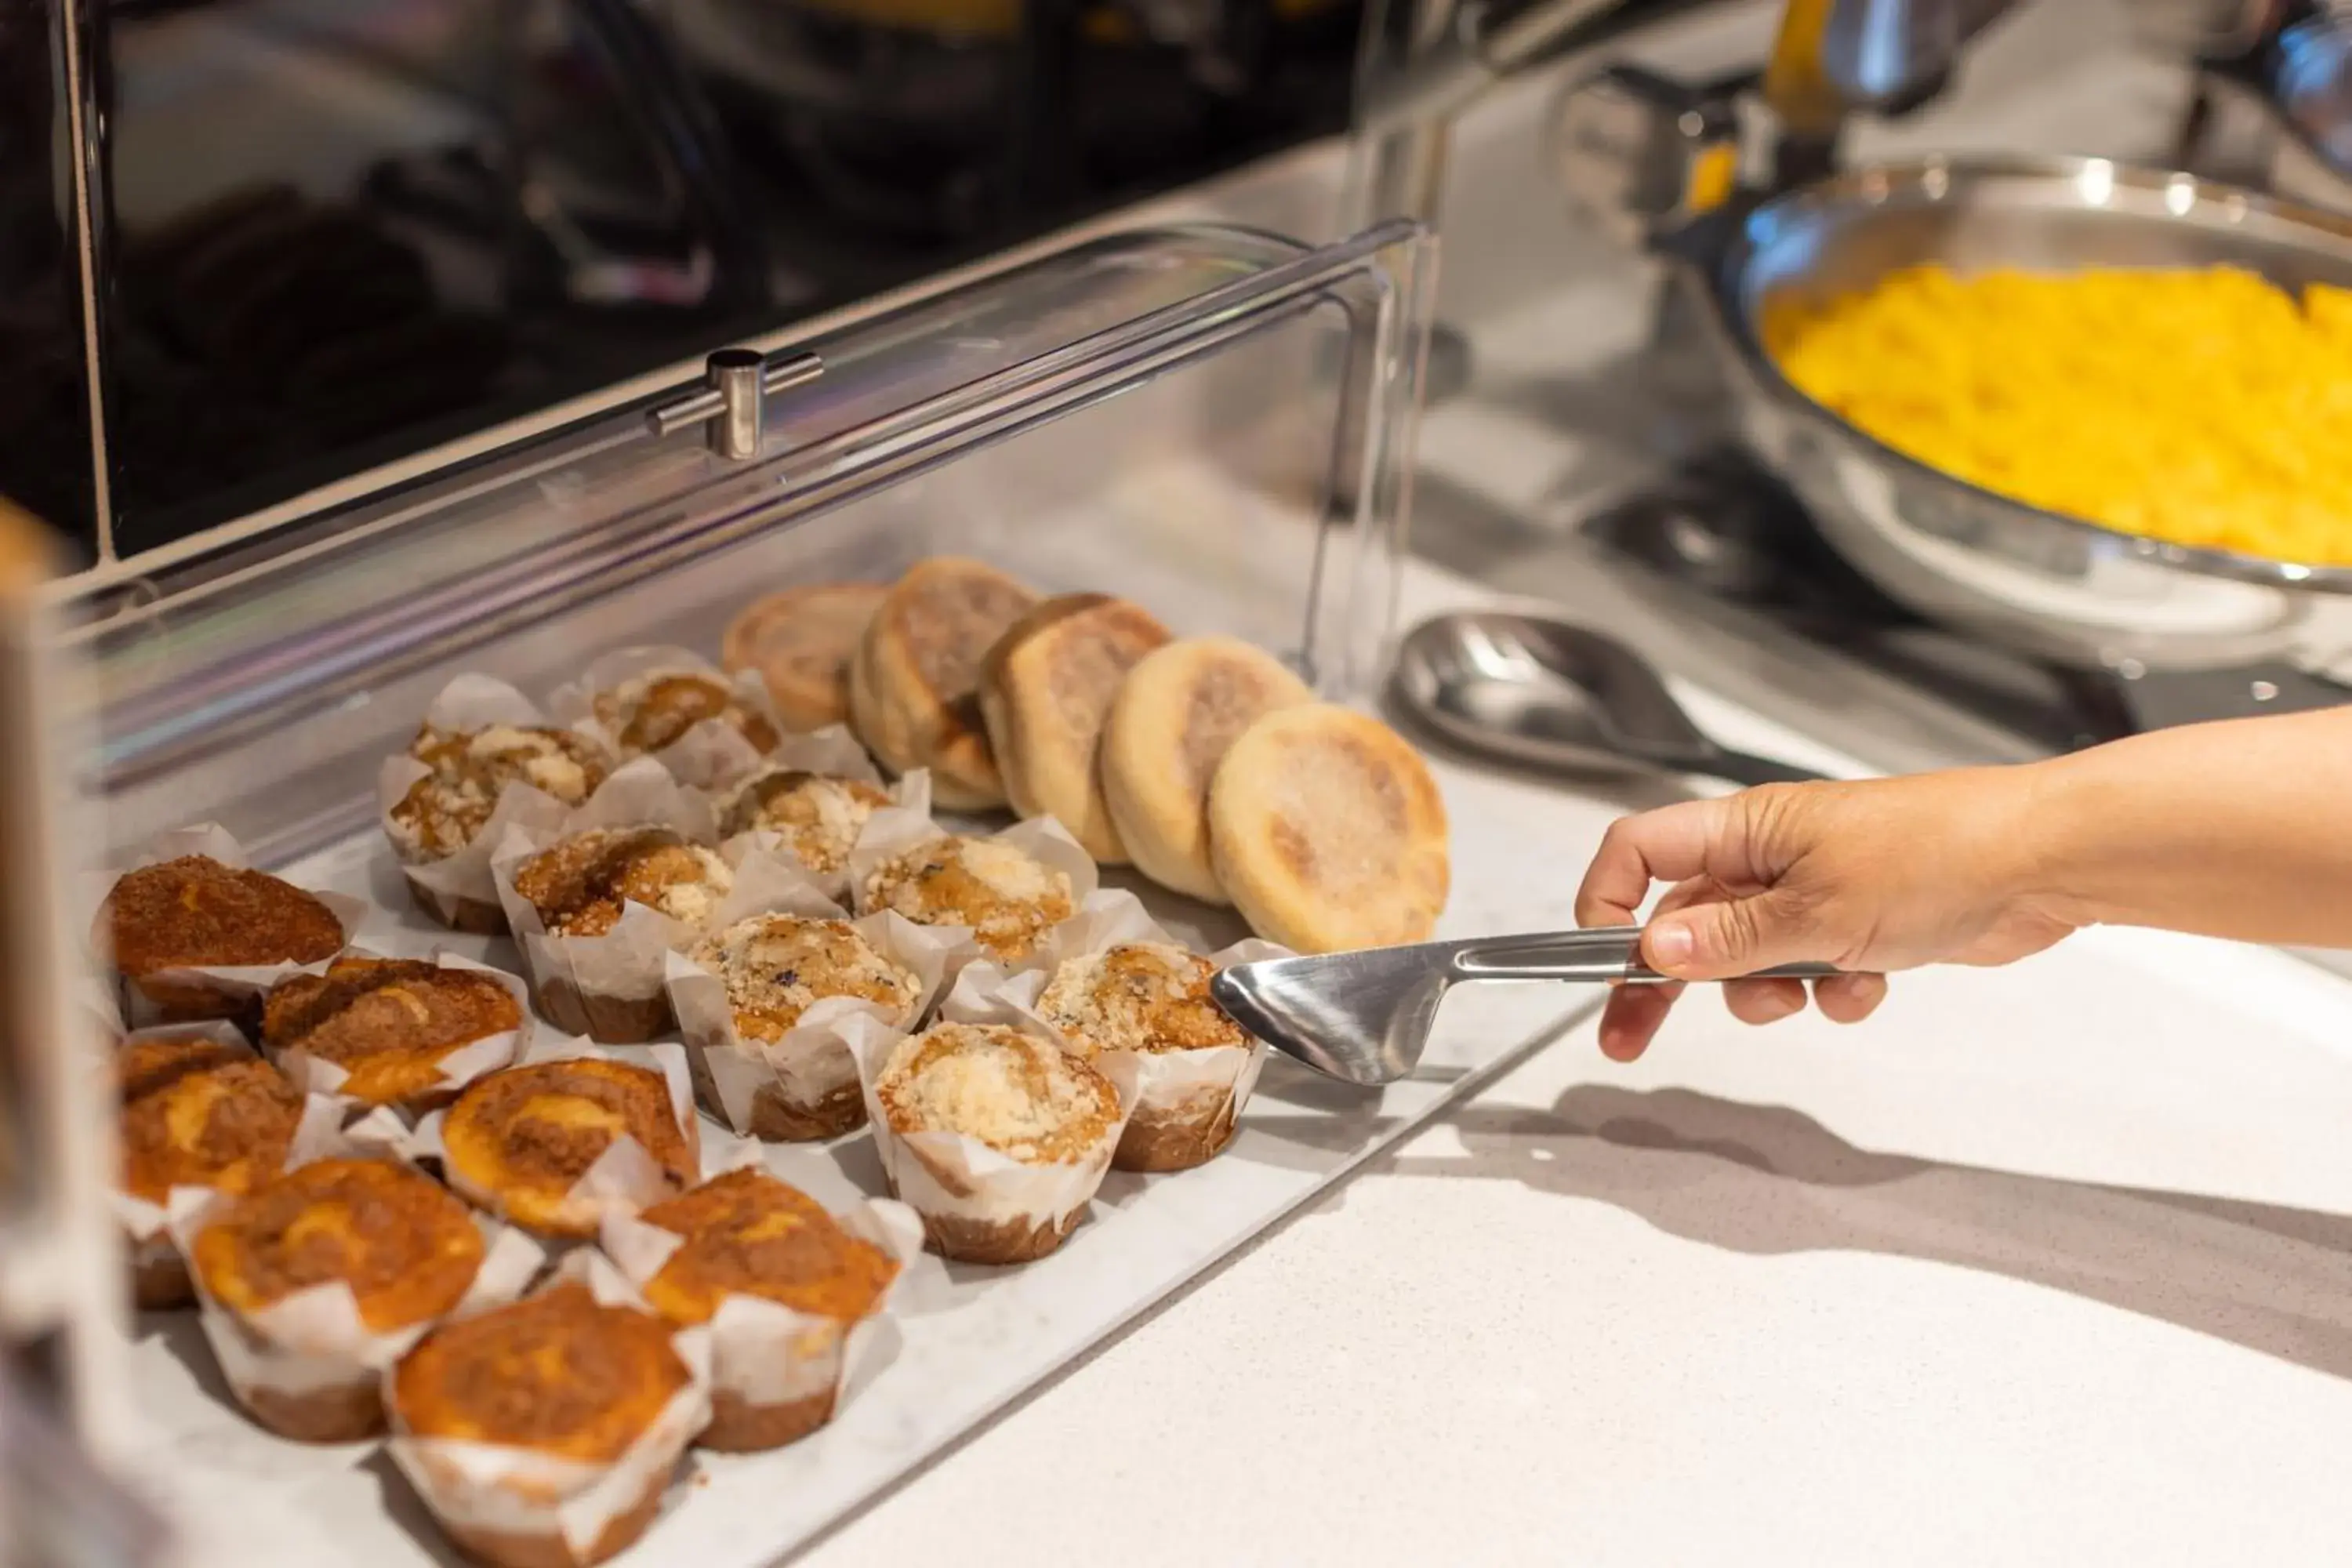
(1731, 937)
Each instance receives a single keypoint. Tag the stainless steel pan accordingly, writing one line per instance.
(2047, 584)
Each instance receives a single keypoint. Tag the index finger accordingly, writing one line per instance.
(1672, 844)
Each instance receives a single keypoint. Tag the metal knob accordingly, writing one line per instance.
(733, 402)
(1642, 153)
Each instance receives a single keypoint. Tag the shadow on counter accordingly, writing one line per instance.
(1766, 1179)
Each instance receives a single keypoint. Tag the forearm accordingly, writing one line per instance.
(2241, 830)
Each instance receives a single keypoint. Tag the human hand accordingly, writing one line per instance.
(1874, 877)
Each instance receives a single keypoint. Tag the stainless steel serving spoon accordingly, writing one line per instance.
(1562, 698)
(1364, 1017)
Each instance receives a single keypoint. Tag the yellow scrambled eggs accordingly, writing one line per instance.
(2208, 408)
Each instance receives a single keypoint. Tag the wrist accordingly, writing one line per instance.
(2061, 834)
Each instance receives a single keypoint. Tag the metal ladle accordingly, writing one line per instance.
(1560, 698)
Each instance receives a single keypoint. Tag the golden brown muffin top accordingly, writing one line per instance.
(1024, 1096)
(446, 810)
(559, 1373)
(1137, 996)
(1007, 896)
(386, 1022)
(147, 1064)
(194, 913)
(776, 967)
(652, 711)
(819, 816)
(529, 1133)
(197, 1113)
(748, 1233)
(407, 1248)
(581, 885)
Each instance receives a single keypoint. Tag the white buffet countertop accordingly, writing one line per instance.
(2044, 1265)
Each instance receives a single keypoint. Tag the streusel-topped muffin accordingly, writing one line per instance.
(580, 886)
(818, 817)
(1007, 896)
(447, 809)
(649, 712)
(1153, 998)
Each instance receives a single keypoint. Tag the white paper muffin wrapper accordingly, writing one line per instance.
(710, 756)
(953, 1175)
(763, 1352)
(1165, 1082)
(315, 1340)
(468, 703)
(458, 1069)
(490, 1488)
(894, 831)
(830, 752)
(234, 983)
(625, 961)
(625, 1177)
(818, 1055)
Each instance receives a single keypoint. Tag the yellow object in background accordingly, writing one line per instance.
(2207, 408)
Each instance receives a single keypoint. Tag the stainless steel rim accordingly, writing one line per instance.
(1934, 181)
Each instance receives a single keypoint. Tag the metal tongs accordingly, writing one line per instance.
(1364, 1017)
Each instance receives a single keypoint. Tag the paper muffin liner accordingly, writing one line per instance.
(458, 1069)
(625, 1177)
(159, 1274)
(525, 1509)
(804, 1086)
(457, 889)
(712, 754)
(892, 832)
(1185, 1104)
(778, 1374)
(830, 752)
(609, 987)
(234, 989)
(979, 1206)
(307, 1366)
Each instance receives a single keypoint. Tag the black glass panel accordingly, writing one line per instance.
(46, 465)
(342, 231)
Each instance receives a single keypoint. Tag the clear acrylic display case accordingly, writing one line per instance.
(1214, 422)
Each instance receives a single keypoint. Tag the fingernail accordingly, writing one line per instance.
(1670, 945)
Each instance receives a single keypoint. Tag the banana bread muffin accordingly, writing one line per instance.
(517, 1141)
(194, 912)
(748, 1233)
(389, 1024)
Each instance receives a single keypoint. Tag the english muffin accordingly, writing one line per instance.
(194, 912)
(1328, 832)
(196, 1112)
(407, 1249)
(517, 1141)
(1152, 999)
(1021, 1096)
(389, 1024)
(801, 642)
(1007, 896)
(775, 967)
(913, 685)
(1168, 727)
(1045, 689)
(748, 1233)
(558, 1374)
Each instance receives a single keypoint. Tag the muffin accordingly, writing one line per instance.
(194, 913)
(395, 1031)
(407, 1249)
(1152, 999)
(800, 642)
(817, 817)
(955, 1089)
(1008, 897)
(748, 1233)
(774, 968)
(444, 812)
(196, 1112)
(580, 886)
(653, 711)
(518, 1143)
(559, 1377)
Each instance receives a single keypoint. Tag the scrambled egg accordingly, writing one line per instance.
(2207, 408)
